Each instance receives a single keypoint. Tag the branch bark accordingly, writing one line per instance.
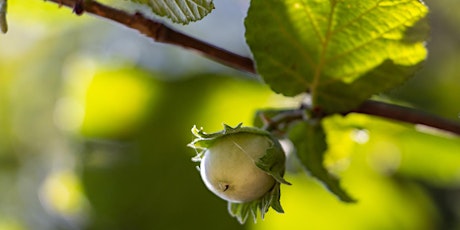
(408, 115)
(160, 32)
(164, 34)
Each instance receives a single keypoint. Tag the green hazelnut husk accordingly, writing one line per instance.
(243, 165)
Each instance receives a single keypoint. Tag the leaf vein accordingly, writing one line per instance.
(379, 36)
(360, 16)
(313, 22)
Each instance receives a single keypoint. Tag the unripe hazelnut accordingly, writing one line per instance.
(243, 165)
(228, 167)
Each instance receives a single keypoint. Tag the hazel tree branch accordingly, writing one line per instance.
(369, 107)
(160, 32)
(406, 114)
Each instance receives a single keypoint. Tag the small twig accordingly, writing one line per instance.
(284, 118)
(162, 33)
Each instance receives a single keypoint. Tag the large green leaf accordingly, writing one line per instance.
(348, 46)
(180, 11)
(309, 140)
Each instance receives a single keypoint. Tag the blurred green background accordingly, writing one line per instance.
(95, 119)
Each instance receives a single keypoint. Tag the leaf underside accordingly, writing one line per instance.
(309, 140)
(180, 11)
(334, 48)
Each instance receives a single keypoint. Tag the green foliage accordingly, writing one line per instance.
(335, 49)
(309, 139)
(339, 96)
(342, 52)
(180, 11)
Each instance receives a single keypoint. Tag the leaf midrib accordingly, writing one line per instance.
(324, 46)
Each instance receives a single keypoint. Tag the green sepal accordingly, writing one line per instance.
(274, 162)
(241, 211)
(204, 140)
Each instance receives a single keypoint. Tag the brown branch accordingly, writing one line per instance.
(369, 107)
(164, 34)
(160, 32)
(408, 115)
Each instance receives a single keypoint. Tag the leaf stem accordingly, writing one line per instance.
(164, 34)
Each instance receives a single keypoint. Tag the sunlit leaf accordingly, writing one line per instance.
(180, 11)
(348, 46)
(310, 143)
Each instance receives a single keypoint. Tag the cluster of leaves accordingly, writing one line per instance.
(340, 52)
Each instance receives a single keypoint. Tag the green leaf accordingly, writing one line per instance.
(309, 140)
(339, 96)
(180, 11)
(312, 45)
